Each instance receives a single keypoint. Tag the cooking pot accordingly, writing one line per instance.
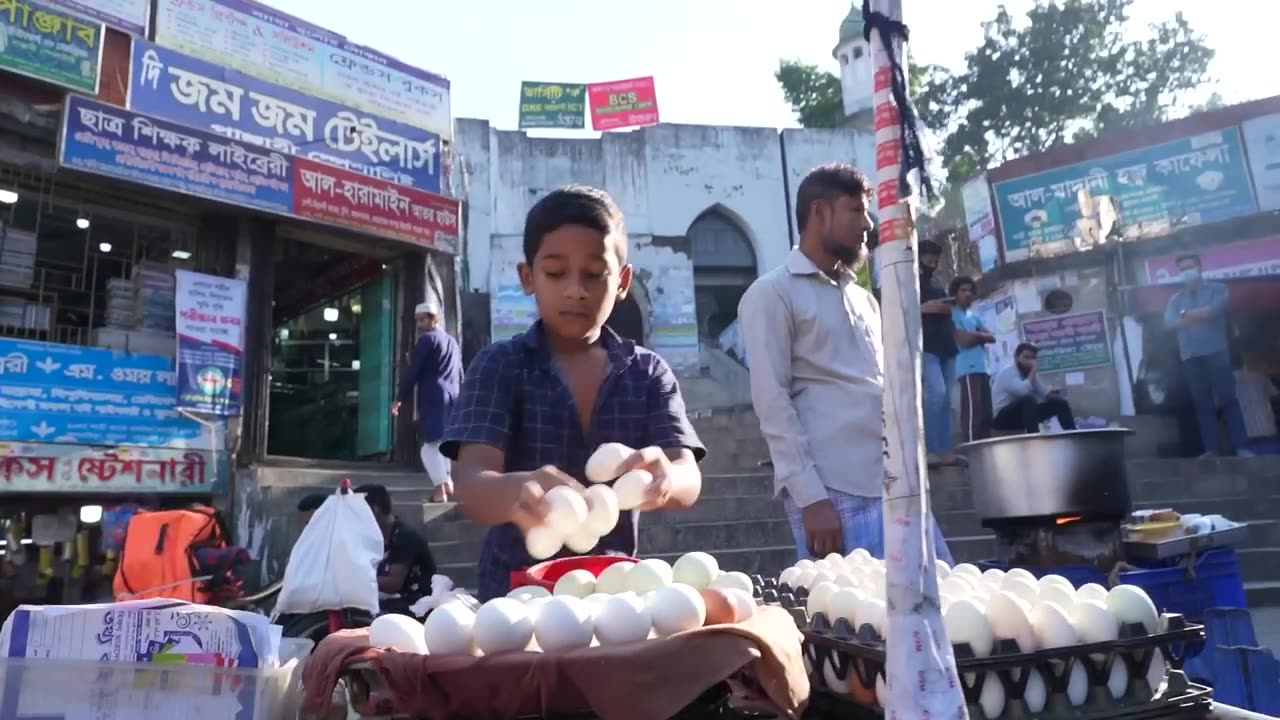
(1079, 473)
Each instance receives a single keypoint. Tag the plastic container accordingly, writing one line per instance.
(1213, 581)
(545, 574)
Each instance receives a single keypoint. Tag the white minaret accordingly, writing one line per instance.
(854, 55)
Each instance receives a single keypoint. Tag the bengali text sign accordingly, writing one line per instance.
(71, 394)
(552, 105)
(1155, 189)
(131, 16)
(1069, 342)
(623, 103)
(210, 325)
(270, 45)
(340, 197)
(50, 44)
(58, 468)
(111, 141)
(168, 84)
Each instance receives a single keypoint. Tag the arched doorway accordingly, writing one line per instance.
(724, 266)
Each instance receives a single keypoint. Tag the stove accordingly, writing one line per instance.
(1058, 542)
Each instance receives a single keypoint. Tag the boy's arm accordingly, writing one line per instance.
(670, 429)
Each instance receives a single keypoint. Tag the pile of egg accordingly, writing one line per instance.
(980, 608)
(578, 519)
(628, 602)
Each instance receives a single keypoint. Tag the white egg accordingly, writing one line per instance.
(823, 566)
(967, 569)
(1052, 626)
(525, 593)
(1020, 573)
(1094, 623)
(675, 609)
(398, 632)
(449, 630)
(1028, 591)
(1157, 672)
(1060, 596)
(822, 577)
(1131, 604)
(734, 579)
(534, 606)
(542, 542)
(956, 585)
(502, 625)
(845, 603)
(991, 699)
(819, 594)
(860, 555)
(942, 568)
(1077, 685)
(631, 488)
(873, 612)
(695, 569)
(804, 564)
(788, 576)
(832, 681)
(993, 575)
(966, 622)
(1036, 693)
(882, 691)
(602, 509)
(564, 623)
(1092, 591)
(566, 510)
(847, 580)
(582, 542)
(613, 579)
(648, 575)
(578, 583)
(1009, 618)
(804, 579)
(1051, 579)
(623, 619)
(604, 463)
(596, 600)
(1118, 680)
(744, 606)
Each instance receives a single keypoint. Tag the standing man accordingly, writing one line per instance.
(436, 371)
(817, 372)
(938, 363)
(1198, 312)
(971, 362)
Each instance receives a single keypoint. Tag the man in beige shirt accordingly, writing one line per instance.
(816, 360)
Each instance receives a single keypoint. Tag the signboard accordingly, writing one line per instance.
(340, 197)
(1069, 342)
(279, 48)
(52, 393)
(552, 105)
(1262, 140)
(53, 468)
(1155, 189)
(623, 103)
(981, 221)
(118, 143)
(210, 328)
(167, 84)
(131, 16)
(50, 44)
(1249, 258)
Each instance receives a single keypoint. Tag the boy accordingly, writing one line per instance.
(534, 408)
(971, 361)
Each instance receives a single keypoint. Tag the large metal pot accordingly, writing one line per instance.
(1074, 473)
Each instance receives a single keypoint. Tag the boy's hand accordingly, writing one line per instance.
(531, 507)
(655, 461)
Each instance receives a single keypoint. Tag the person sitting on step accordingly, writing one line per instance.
(1022, 401)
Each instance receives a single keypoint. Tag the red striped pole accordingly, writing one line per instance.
(920, 671)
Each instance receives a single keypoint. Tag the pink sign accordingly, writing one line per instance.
(1251, 258)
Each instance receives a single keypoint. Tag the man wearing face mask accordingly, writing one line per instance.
(938, 363)
(1198, 312)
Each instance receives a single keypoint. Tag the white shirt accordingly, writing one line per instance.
(817, 379)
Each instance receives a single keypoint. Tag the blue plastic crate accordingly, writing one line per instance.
(1213, 582)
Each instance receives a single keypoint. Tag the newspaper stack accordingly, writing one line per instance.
(153, 285)
(120, 304)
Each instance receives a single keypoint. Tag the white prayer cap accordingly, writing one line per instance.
(426, 308)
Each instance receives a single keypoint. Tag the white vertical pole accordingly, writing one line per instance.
(920, 671)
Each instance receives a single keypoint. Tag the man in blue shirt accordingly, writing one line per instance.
(437, 373)
(535, 407)
(1198, 312)
(971, 362)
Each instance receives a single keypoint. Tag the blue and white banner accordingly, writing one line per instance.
(54, 393)
(210, 324)
(168, 84)
(131, 16)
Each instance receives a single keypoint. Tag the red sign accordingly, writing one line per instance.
(340, 197)
(623, 103)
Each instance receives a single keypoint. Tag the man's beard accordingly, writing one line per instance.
(851, 257)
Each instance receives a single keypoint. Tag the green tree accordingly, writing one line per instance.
(815, 96)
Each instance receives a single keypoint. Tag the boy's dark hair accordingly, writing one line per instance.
(574, 205)
(377, 497)
(928, 247)
(1026, 347)
(960, 281)
(828, 182)
(312, 502)
(1187, 257)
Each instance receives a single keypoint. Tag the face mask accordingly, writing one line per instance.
(926, 271)
(1188, 276)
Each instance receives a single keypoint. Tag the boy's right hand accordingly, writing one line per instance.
(531, 507)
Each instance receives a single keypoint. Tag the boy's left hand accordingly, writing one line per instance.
(655, 461)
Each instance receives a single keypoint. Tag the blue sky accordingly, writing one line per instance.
(713, 60)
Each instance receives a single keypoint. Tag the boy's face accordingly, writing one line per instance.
(575, 280)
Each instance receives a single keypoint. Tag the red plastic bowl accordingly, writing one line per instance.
(545, 574)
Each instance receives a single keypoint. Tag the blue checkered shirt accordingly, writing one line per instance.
(514, 399)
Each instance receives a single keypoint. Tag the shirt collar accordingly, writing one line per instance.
(621, 351)
(799, 264)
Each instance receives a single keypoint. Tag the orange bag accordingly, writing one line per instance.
(157, 560)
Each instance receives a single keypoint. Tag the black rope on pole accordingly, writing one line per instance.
(913, 157)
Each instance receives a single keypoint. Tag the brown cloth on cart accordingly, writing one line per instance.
(648, 680)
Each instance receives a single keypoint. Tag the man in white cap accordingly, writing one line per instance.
(436, 371)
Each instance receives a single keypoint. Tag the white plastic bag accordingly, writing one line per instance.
(334, 564)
